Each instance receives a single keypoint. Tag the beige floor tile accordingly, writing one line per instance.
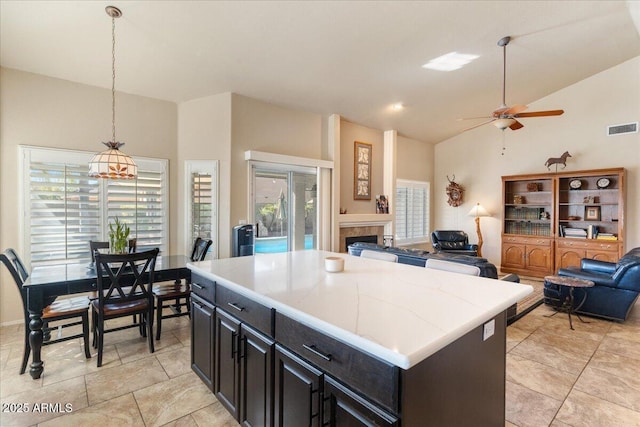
(629, 330)
(554, 357)
(572, 343)
(515, 336)
(108, 383)
(538, 377)
(184, 335)
(138, 348)
(508, 424)
(176, 362)
(615, 364)
(14, 383)
(620, 346)
(584, 410)
(623, 391)
(173, 399)
(214, 415)
(121, 411)
(71, 392)
(529, 323)
(59, 370)
(527, 408)
(557, 423)
(186, 421)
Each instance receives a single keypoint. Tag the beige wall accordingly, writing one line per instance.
(349, 134)
(204, 133)
(611, 97)
(47, 112)
(260, 126)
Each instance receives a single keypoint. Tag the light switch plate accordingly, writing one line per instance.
(488, 330)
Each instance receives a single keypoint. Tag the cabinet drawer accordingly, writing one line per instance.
(368, 375)
(588, 244)
(253, 313)
(538, 241)
(204, 288)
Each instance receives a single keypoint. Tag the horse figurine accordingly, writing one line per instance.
(557, 160)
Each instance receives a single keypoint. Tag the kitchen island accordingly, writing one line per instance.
(281, 341)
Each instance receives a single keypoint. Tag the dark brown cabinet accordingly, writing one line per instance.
(343, 408)
(256, 379)
(297, 391)
(202, 327)
(226, 385)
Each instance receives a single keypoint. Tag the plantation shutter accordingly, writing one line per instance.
(64, 211)
(201, 202)
(64, 208)
(412, 211)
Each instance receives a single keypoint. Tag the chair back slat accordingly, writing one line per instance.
(13, 263)
(125, 277)
(200, 248)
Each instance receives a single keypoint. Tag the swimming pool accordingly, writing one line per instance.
(268, 245)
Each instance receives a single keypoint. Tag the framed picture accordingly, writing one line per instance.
(592, 213)
(362, 171)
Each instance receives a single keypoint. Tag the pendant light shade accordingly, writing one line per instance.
(113, 163)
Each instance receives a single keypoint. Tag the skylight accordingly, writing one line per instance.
(449, 62)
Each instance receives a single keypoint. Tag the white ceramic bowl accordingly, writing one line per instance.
(334, 264)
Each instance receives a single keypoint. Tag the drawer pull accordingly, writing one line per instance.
(197, 286)
(312, 348)
(235, 306)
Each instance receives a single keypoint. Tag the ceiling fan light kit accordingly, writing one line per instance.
(504, 116)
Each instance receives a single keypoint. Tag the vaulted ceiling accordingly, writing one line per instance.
(353, 58)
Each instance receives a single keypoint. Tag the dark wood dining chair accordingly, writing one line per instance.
(125, 283)
(67, 310)
(176, 291)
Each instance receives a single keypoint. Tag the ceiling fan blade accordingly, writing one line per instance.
(474, 118)
(478, 125)
(517, 125)
(540, 113)
(515, 109)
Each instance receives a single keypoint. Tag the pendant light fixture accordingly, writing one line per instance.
(113, 163)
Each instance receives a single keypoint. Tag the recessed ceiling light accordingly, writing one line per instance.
(449, 62)
(397, 107)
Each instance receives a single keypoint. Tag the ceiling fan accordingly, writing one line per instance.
(506, 117)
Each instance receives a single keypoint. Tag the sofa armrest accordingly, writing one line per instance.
(471, 247)
(597, 266)
(599, 279)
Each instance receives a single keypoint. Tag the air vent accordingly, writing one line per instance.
(621, 129)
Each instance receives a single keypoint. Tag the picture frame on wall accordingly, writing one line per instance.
(592, 213)
(362, 171)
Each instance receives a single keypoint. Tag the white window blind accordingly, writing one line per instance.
(64, 208)
(412, 212)
(201, 202)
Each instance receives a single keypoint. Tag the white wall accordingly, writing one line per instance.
(204, 133)
(475, 157)
(47, 112)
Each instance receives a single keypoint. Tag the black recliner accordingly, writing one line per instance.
(453, 241)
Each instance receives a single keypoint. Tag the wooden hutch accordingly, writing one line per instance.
(552, 220)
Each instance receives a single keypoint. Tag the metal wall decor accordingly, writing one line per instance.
(362, 171)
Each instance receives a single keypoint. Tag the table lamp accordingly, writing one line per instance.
(478, 211)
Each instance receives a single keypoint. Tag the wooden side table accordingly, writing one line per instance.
(567, 304)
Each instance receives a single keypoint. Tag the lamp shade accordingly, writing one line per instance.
(478, 211)
(502, 124)
(112, 163)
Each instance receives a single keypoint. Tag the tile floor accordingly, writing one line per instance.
(555, 377)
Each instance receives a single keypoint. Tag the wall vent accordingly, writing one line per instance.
(621, 129)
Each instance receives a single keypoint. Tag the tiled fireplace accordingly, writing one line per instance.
(366, 233)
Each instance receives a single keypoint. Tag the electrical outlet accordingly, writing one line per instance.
(489, 329)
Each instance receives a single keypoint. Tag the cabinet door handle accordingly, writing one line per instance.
(235, 306)
(197, 304)
(233, 344)
(312, 348)
(198, 286)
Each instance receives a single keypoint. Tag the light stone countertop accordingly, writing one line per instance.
(397, 312)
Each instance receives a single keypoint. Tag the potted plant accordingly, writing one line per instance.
(118, 237)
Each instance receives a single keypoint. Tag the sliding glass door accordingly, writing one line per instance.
(285, 207)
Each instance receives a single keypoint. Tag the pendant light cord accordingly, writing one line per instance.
(113, 78)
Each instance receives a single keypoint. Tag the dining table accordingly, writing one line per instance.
(47, 282)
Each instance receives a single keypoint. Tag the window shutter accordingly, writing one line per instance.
(201, 199)
(412, 211)
(64, 211)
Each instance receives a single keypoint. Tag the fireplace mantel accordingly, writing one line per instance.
(363, 220)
